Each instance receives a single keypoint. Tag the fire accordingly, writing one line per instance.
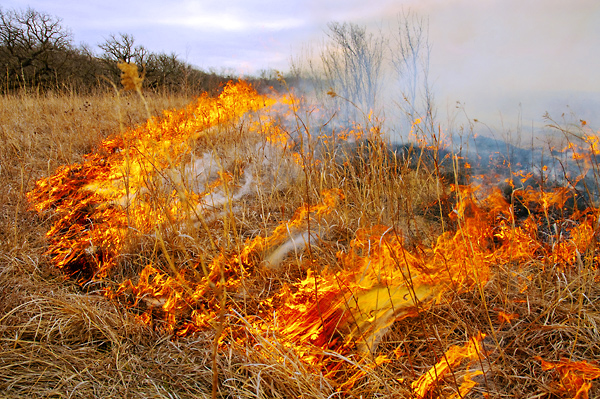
(179, 300)
(471, 352)
(575, 377)
(130, 183)
(382, 281)
(174, 179)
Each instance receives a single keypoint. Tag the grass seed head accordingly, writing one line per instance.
(131, 79)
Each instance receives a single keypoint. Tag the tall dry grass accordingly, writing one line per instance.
(58, 339)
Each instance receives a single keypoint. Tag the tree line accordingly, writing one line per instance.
(37, 52)
(362, 70)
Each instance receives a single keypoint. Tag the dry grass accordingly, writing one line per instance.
(58, 339)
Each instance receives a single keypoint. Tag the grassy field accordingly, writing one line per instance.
(241, 247)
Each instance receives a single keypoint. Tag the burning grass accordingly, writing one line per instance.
(240, 246)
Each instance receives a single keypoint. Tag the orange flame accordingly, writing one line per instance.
(102, 200)
(575, 377)
(134, 184)
(451, 359)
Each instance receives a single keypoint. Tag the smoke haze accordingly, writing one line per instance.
(506, 61)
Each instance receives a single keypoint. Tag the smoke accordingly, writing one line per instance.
(296, 243)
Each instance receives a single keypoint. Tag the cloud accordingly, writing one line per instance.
(230, 23)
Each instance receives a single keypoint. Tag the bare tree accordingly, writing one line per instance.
(33, 47)
(352, 64)
(166, 71)
(410, 57)
(122, 48)
(372, 70)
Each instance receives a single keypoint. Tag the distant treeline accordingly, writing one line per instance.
(37, 53)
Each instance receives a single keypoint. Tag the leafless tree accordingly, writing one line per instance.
(372, 70)
(37, 51)
(352, 64)
(410, 58)
(166, 71)
(33, 46)
(122, 47)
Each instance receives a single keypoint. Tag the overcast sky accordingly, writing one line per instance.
(489, 54)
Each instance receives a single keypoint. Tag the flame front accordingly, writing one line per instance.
(133, 183)
(176, 177)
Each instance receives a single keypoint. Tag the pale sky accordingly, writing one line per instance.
(492, 55)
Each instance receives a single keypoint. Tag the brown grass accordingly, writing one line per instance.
(56, 340)
(60, 340)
